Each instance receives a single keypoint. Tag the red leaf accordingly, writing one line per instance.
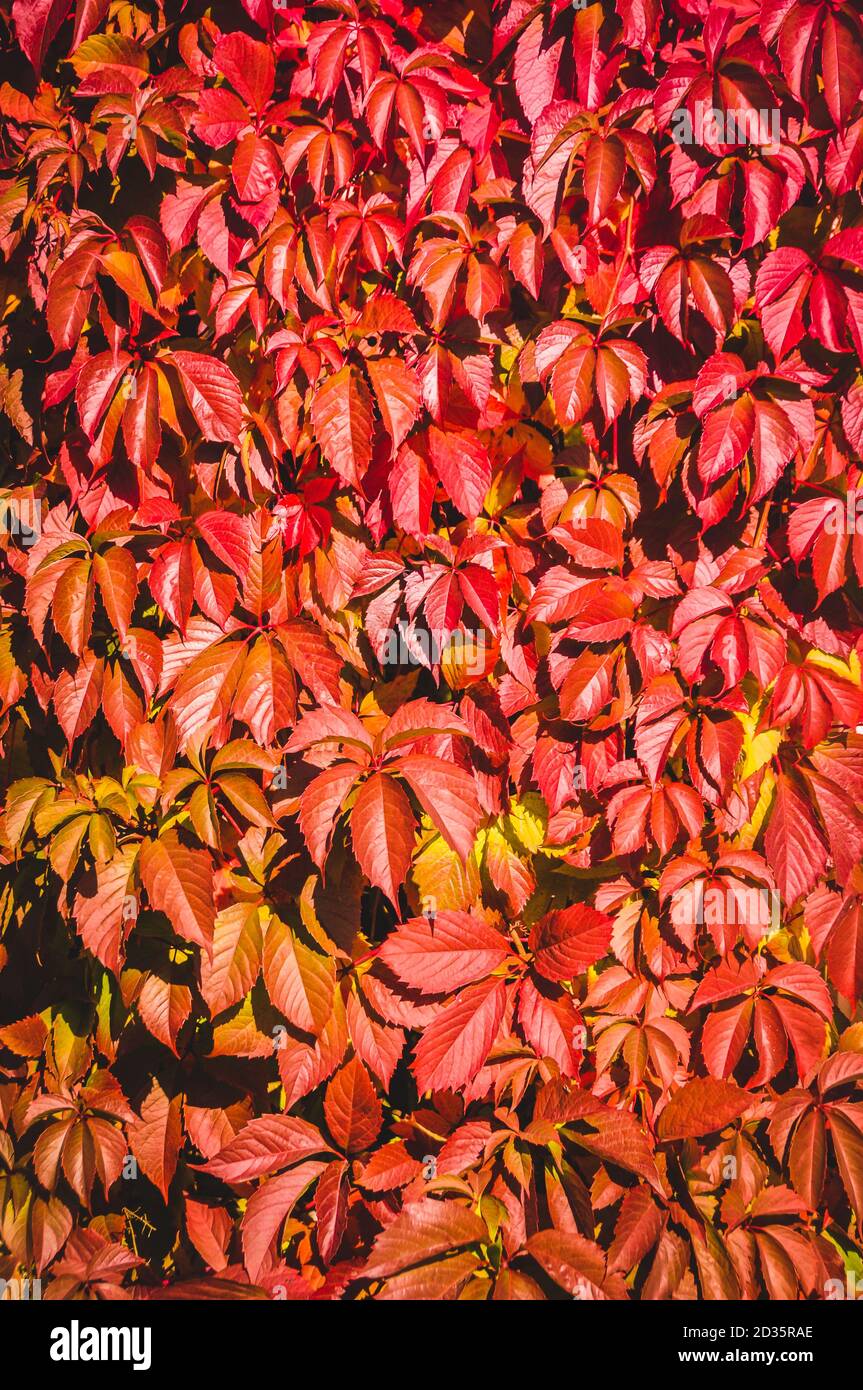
(228, 537)
(604, 165)
(448, 794)
(213, 393)
(700, 1107)
(420, 1232)
(331, 1209)
(179, 882)
(76, 696)
(464, 468)
(454, 1046)
(299, 981)
(249, 67)
(117, 577)
(792, 844)
(382, 831)
(343, 423)
(439, 956)
(265, 1145)
(267, 1210)
(351, 1108)
(576, 1264)
(566, 942)
(156, 1140)
(36, 25)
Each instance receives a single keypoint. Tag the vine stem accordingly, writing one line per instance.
(627, 252)
(429, 1133)
(761, 529)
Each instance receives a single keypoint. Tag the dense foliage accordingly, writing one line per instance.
(430, 648)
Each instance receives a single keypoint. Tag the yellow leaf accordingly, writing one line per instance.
(847, 670)
(749, 834)
(527, 821)
(852, 1039)
(758, 748)
(125, 270)
(441, 877)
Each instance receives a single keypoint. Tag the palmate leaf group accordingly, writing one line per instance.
(430, 649)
